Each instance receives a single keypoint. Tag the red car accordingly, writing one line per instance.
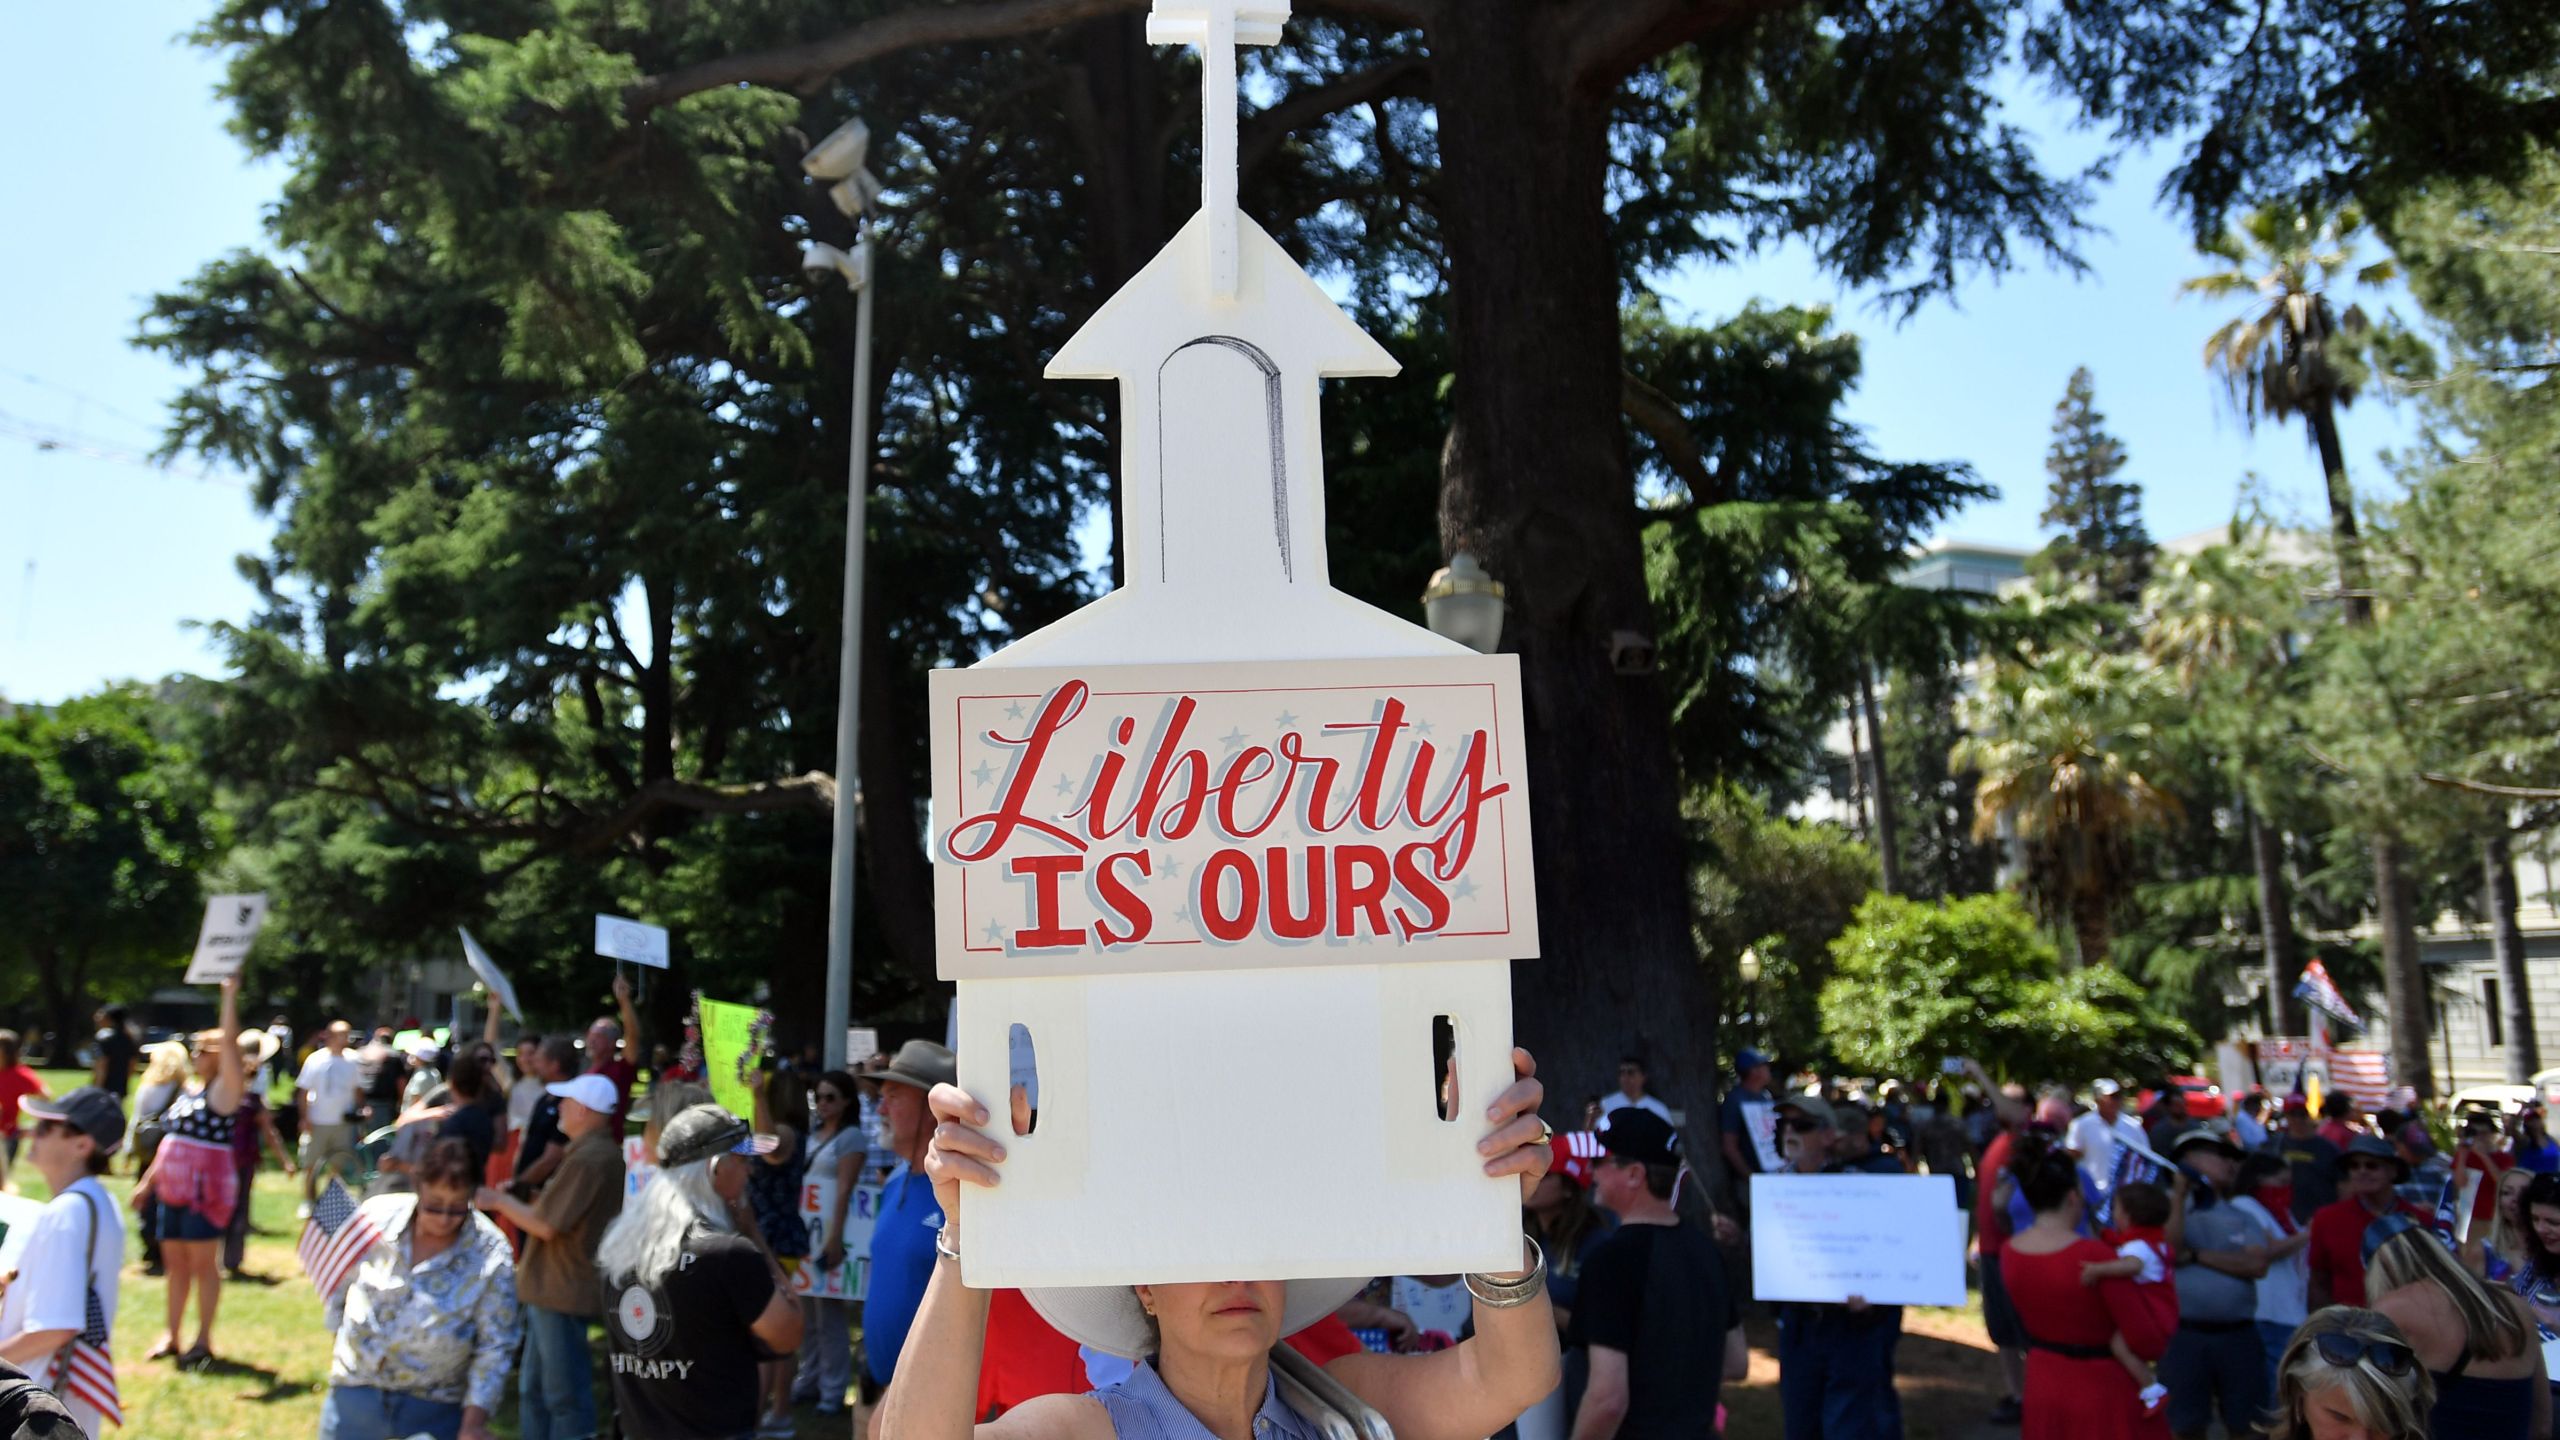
(2204, 1098)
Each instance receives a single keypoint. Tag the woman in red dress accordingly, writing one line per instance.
(2076, 1390)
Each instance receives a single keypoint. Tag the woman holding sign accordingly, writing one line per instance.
(1205, 1348)
(194, 1181)
(2076, 1389)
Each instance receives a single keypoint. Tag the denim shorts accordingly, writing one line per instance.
(177, 1222)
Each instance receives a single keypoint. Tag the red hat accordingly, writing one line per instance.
(2297, 1101)
(1573, 1154)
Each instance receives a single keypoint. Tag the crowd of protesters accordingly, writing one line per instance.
(2144, 1272)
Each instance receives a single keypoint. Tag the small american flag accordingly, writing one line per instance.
(85, 1371)
(2131, 1167)
(338, 1235)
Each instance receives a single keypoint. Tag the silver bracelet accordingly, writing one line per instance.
(942, 1245)
(1506, 1294)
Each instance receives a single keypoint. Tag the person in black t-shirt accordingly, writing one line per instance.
(112, 1068)
(691, 1305)
(1654, 1301)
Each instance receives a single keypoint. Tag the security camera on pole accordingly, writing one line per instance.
(840, 158)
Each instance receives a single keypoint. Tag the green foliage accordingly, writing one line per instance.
(1914, 983)
(2103, 547)
(1781, 889)
(104, 831)
(1933, 798)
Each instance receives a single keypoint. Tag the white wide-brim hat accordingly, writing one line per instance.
(1109, 1318)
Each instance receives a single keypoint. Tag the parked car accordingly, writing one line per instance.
(2204, 1098)
(2506, 1100)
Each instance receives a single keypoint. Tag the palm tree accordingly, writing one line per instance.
(2293, 357)
(2219, 622)
(2064, 752)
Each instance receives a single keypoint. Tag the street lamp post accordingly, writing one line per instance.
(839, 158)
(1464, 604)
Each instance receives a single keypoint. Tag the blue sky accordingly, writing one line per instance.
(124, 189)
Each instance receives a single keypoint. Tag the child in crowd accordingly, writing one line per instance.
(2148, 1220)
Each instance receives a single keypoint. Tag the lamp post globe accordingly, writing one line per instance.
(1465, 604)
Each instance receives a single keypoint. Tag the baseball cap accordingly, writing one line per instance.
(93, 1112)
(1568, 1160)
(2105, 1087)
(1748, 1061)
(2216, 1133)
(591, 1090)
(1631, 1132)
(1812, 1107)
(700, 1132)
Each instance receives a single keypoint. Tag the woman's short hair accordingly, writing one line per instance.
(469, 1077)
(448, 1165)
(786, 1099)
(2390, 1407)
(2491, 1328)
(2048, 1180)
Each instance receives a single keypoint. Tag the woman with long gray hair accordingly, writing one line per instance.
(694, 1305)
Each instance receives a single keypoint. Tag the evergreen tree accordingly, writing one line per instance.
(2103, 546)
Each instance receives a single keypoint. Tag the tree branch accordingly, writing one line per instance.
(1406, 76)
(1608, 40)
(814, 791)
(796, 66)
(1661, 420)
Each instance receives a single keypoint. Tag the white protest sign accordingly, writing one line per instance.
(1889, 1239)
(501, 989)
(18, 1216)
(620, 939)
(861, 1042)
(1228, 844)
(231, 924)
(850, 1280)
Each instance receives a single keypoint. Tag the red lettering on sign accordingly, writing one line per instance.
(1044, 932)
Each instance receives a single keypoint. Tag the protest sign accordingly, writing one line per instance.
(850, 1280)
(861, 1042)
(1242, 856)
(620, 939)
(501, 989)
(1825, 1238)
(733, 1039)
(639, 1167)
(17, 1225)
(231, 924)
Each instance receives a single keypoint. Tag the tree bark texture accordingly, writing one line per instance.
(2404, 984)
(2275, 923)
(1536, 484)
(1880, 786)
(2506, 941)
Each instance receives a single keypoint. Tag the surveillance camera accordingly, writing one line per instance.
(855, 196)
(820, 258)
(841, 154)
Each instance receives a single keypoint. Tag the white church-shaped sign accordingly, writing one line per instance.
(1245, 858)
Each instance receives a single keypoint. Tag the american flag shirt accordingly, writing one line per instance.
(445, 1330)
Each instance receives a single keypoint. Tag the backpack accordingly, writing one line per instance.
(28, 1411)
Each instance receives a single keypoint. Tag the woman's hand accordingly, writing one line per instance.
(1517, 1144)
(831, 1255)
(959, 1151)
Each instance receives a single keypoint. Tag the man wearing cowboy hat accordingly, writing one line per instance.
(2368, 1169)
(1835, 1362)
(902, 1235)
(2222, 1252)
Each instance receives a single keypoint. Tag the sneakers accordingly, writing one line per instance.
(775, 1426)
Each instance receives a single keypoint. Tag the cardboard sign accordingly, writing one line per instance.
(620, 939)
(231, 924)
(1825, 1238)
(732, 1045)
(501, 989)
(861, 1042)
(1190, 817)
(852, 1279)
(1230, 847)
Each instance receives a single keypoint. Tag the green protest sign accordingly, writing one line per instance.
(732, 1043)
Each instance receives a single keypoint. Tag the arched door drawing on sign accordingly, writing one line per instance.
(1198, 496)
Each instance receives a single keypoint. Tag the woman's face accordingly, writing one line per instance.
(2546, 1227)
(833, 1105)
(1223, 1319)
(443, 1210)
(2511, 1187)
(2331, 1417)
(208, 1058)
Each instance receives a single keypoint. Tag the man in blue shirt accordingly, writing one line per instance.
(902, 1237)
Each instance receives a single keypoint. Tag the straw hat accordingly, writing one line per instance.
(1109, 1318)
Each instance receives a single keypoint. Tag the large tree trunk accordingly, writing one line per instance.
(2506, 941)
(1880, 786)
(2404, 982)
(1536, 484)
(2091, 934)
(2275, 922)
